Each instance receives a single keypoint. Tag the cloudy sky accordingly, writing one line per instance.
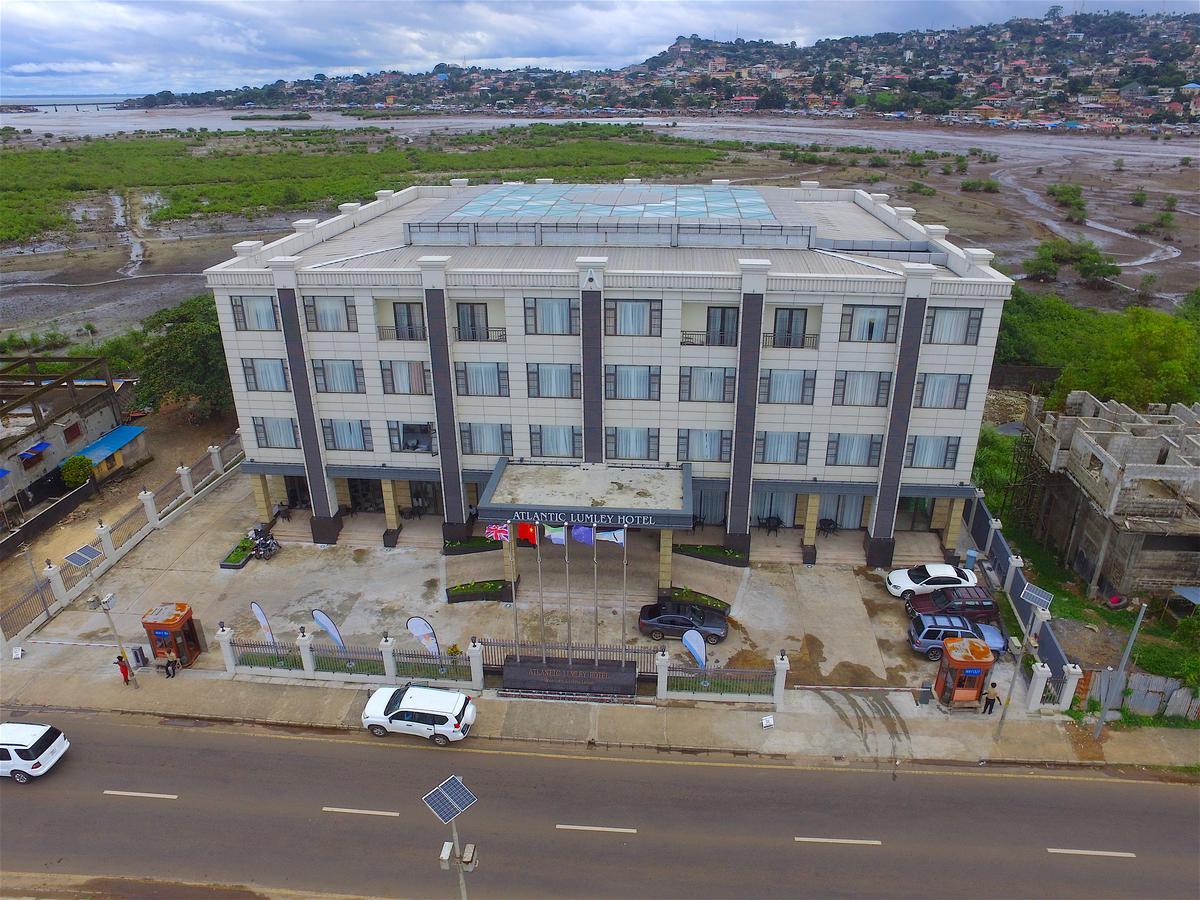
(118, 46)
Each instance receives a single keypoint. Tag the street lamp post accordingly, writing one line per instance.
(105, 604)
(1039, 618)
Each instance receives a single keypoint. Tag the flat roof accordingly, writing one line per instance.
(121, 436)
(610, 201)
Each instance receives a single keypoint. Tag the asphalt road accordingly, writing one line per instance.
(247, 806)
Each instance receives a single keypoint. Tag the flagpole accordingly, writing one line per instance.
(539, 534)
(567, 557)
(595, 599)
(512, 546)
(624, 585)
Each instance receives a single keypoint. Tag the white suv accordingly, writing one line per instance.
(431, 713)
(28, 749)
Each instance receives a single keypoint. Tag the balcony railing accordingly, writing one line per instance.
(708, 338)
(786, 341)
(405, 333)
(495, 335)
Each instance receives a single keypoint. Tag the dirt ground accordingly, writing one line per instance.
(1004, 406)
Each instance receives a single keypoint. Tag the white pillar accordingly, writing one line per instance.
(1014, 563)
(304, 645)
(782, 664)
(185, 480)
(389, 658)
(147, 498)
(54, 575)
(225, 639)
(662, 663)
(475, 656)
(1041, 674)
(214, 453)
(993, 530)
(105, 534)
(1072, 673)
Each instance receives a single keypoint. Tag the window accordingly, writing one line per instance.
(944, 325)
(554, 380)
(347, 434)
(790, 447)
(722, 326)
(486, 379)
(276, 433)
(632, 382)
(255, 314)
(872, 324)
(633, 317)
(707, 383)
(485, 439)
(861, 388)
(339, 376)
(787, 386)
(926, 452)
(472, 321)
(72, 432)
(330, 314)
(265, 374)
(556, 440)
(790, 325)
(551, 315)
(40, 746)
(406, 377)
(853, 449)
(409, 321)
(631, 443)
(411, 437)
(705, 445)
(934, 391)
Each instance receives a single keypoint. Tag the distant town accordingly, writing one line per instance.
(1098, 72)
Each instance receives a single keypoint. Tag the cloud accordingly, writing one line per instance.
(70, 67)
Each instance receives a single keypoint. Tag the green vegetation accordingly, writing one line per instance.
(240, 551)
(1069, 196)
(338, 663)
(494, 586)
(34, 342)
(711, 550)
(919, 187)
(284, 659)
(993, 461)
(184, 358)
(475, 540)
(1133, 720)
(980, 185)
(1093, 265)
(76, 471)
(687, 595)
(1138, 198)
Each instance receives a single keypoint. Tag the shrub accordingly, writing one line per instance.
(1138, 198)
(76, 471)
(980, 185)
(924, 190)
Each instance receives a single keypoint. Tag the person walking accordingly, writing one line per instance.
(172, 663)
(123, 667)
(989, 698)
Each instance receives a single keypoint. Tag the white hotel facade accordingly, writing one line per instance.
(792, 354)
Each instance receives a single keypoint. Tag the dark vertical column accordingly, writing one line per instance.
(737, 528)
(455, 526)
(592, 339)
(325, 522)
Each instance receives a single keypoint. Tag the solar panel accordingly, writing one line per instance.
(1038, 597)
(83, 555)
(448, 799)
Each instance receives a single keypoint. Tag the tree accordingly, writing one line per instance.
(184, 358)
(76, 471)
(1170, 202)
(1094, 266)
(1138, 198)
(1189, 308)
(993, 469)
(1040, 267)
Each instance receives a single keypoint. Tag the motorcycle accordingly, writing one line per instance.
(265, 544)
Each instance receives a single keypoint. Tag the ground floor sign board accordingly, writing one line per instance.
(583, 676)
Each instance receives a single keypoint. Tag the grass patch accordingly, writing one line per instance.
(687, 595)
(474, 540)
(348, 666)
(718, 685)
(711, 550)
(493, 586)
(1133, 720)
(287, 660)
(1008, 615)
(243, 549)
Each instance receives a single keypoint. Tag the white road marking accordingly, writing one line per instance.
(596, 828)
(141, 794)
(361, 812)
(812, 840)
(1119, 853)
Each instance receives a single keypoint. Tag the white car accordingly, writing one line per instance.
(907, 583)
(28, 749)
(436, 715)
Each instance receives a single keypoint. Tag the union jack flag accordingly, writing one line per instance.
(496, 532)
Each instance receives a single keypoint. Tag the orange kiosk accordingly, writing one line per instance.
(963, 676)
(170, 627)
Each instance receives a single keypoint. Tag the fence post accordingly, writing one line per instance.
(1037, 685)
(225, 639)
(389, 658)
(147, 498)
(304, 645)
(185, 480)
(782, 664)
(475, 656)
(53, 574)
(105, 534)
(1014, 563)
(214, 453)
(1072, 673)
(993, 530)
(662, 664)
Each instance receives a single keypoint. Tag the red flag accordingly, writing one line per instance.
(527, 531)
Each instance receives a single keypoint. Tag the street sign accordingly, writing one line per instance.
(1038, 597)
(83, 555)
(448, 799)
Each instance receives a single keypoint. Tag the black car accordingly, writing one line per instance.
(672, 619)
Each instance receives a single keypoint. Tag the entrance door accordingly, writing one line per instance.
(366, 494)
(789, 327)
(426, 496)
(914, 514)
(472, 322)
(297, 491)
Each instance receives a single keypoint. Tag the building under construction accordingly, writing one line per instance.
(1116, 492)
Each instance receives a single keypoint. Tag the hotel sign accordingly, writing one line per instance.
(611, 520)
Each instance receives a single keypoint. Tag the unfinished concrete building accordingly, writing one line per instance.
(1116, 492)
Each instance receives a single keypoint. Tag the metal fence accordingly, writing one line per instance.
(353, 660)
(36, 601)
(202, 469)
(167, 494)
(423, 666)
(231, 450)
(720, 681)
(496, 649)
(129, 525)
(1052, 692)
(266, 654)
(73, 574)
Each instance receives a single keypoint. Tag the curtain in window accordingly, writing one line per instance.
(348, 434)
(704, 444)
(401, 376)
(869, 323)
(633, 382)
(862, 388)
(633, 317)
(950, 326)
(554, 379)
(708, 383)
(553, 316)
(929, 452)
(483, 379)
(260, 313)
(269, 374)
(940, 392)
(633, 443)
(279, 432)
(780, 446)
(486, 439)
(781, 504)
(854, 449)
(709, 504)
(557, 440)
(845, 509)
(787, 386)
(331, 314)
(339, 376)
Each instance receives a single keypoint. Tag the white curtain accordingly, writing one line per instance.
(558, 440)
(786, 386)
(280, 432)
(869, 323)
(709, 504)
(486, 439)
(708, 383)
(633, 317)
(781, 504)
(845, 509)
(554, 379)
(483, 379)
(633, 443)
(862, 388)
(950, 326)
(269, 375)
(348, 434)
(339, 376)
(854, 449)
(553, 315)
(260, 313)
(940, 391)
(331, 314)
(401, 380)
(704, 444)
(780, 446)
(633, 382)
(929, 452)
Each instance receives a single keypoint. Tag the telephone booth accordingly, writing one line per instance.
(170, 627)
(963, 676)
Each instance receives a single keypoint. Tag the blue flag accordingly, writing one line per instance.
(693, 641)
(582, 534)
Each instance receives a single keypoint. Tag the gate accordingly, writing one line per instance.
(496, 649)
(1052, 692)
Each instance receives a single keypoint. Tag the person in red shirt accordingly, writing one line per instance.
(123, 667)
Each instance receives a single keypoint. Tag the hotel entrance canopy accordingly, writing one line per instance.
(589, 494)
